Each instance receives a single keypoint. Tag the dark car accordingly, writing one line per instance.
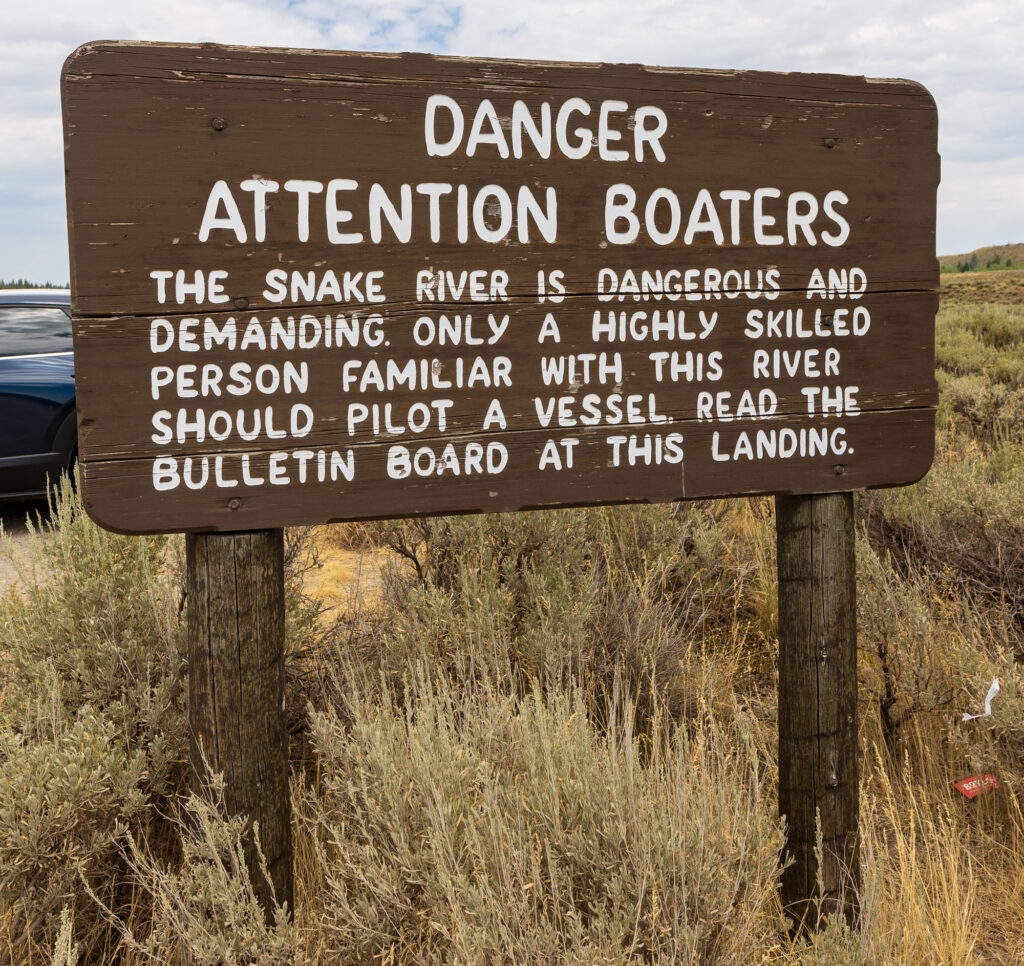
(38, 433)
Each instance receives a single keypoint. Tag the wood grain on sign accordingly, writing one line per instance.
(236, 701)
(818, 766)
(617, 283)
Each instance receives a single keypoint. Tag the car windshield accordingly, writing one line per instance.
(33, 330)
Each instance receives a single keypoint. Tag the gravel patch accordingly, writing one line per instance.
(13, 518)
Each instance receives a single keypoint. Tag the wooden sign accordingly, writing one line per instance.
(313, 286)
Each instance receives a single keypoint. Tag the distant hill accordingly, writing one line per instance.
(992, 256)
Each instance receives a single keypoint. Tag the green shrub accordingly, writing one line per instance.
(987, 340)
(905, 666)
(990, 409)
(203, 909)
(465, 824)
(516, 597)
(92, 728)
(963, 524)
(998, 326)
(471, 826)
(647, 598)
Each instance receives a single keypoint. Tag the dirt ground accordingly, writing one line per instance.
(340, 577)
(344, 574)
(13, 519)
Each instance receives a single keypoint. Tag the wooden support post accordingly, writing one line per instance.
(236, 689)
(818, 769)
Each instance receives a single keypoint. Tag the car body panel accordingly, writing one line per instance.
(38, 434)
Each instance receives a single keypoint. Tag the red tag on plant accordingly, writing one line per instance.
(970, 787)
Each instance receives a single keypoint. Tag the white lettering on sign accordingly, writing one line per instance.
(278, 468)
(693, 285)
(459, 353)
(700, 221)
(783, 444)
(307, 332)
(646, 450)
(486, 214)
(351, 212)
(450, 460)
(563, 129)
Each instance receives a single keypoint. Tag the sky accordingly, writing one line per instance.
(968, 53)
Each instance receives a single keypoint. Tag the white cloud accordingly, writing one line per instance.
(969, 187)
(966, 53)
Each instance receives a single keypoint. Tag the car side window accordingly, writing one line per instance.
(33, 330)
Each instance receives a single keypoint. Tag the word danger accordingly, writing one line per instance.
(563, 130)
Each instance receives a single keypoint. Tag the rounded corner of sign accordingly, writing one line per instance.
(96, 514)
(924, 92)
(920, 466)
(80, 53)
(922, 471)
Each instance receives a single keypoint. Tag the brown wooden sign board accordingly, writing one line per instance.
(313, 286)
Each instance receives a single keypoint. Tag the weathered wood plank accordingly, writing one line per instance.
(236, 690)
(757, 128)
(373, 494)
(818, 750)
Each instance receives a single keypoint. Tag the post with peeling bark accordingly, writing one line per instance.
(818, 770)
(236, 691)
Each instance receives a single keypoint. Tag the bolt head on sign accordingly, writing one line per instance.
(312, 286)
